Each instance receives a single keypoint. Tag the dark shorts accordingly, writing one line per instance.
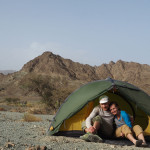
(106, 130)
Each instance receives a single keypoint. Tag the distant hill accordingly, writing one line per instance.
(55, 65)
(5, 72)
(67, 75)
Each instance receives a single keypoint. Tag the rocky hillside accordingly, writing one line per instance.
(68, 75)
(54, 65)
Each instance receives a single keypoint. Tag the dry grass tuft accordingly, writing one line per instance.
(39, 108)
(2, 109)
(31, 118)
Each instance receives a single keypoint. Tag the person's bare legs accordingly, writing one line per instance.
(133, 140)
(139, 134)
(96, 125)
(141, 137)
(93, 129)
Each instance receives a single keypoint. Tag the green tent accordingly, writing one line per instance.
(80, 103)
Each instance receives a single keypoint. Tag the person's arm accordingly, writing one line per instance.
(90, 117)
(126, 119)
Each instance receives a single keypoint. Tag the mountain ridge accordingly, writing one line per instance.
(68, 76)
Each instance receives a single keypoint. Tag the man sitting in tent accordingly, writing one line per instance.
(99, 122)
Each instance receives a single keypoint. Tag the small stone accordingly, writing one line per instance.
(112, 146)
(38, 147)
(9, 144)
(8, 140)
(43, 148)
(31, 148)
(1, 148)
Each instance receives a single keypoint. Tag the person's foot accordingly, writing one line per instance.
(89, 137)
(85, 137)
(95, 138)
(138, 143)
(144, 144)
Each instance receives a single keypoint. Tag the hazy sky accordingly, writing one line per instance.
(87, 31)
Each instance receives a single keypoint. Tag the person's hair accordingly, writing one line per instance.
(114, 103)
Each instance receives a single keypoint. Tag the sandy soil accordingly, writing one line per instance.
(18, 135)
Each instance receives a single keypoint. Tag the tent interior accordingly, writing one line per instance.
(74, 123)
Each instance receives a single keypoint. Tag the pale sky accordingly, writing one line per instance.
(86, 31)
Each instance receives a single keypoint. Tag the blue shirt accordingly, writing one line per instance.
(124, 119)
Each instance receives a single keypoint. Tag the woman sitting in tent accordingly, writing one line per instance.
(124, 126)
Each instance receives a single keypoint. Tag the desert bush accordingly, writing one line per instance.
(2, 89)
(12, 100)
(60, 95)
(43, 86)
(31, 118)
(2, 109)
(52, 90)
(29, 104)
(23, 103)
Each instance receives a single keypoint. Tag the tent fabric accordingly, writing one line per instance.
(89, 92)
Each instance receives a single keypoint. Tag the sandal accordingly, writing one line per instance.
(138, 143)
(144, 144)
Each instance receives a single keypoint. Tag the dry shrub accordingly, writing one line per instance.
(2, 109)
(29, 104)
(12, 100)
(38, 108)
(35, 111)
(31, 118)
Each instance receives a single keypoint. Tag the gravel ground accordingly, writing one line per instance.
(18, 135)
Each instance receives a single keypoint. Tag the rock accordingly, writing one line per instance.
(43, 148)
(37, 148)
(31, 148)
(112, 146)
(9, 144)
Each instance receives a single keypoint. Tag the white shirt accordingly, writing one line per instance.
(106, 115)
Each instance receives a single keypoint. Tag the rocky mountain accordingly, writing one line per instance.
(54, 65)
(67, 74)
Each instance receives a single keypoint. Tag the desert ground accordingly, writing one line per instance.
(16, 133)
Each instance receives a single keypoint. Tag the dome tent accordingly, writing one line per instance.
(81, 102)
